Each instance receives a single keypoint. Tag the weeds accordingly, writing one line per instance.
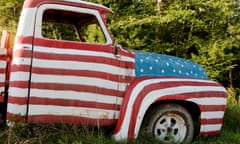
(73, 134)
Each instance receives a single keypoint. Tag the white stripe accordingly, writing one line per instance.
(3, 64)
(19, 76)
(18, 92)
(26, 22)
(74, 52)
(2, 89)
(21, 46)
(154, 95)
(71, 111)
(2, 77)
(17, 109)
(123, 133)
(71, 95)
(97, 82)
(73, 65)
(209, 100)
(209, 128)
(21, 61)
(212, 115)
(89, 3)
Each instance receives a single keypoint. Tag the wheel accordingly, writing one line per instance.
(169, 123)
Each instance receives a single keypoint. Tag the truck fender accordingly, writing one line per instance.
(143, 92)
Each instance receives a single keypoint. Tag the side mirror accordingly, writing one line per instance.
(116, 47)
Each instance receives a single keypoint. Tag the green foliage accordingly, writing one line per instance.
(9, 15)
(205, 31)
(73, 134)
(59, 31)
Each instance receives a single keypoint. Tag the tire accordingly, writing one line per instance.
(170, 123)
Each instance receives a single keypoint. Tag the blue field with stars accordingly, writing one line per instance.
(151, 64)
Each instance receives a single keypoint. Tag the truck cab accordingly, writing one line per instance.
(65, 68)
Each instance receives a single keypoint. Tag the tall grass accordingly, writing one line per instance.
(73, 134)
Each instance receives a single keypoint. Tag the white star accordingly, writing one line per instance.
(167, 64)
(141, 60)
(150, 68)
(141, 70)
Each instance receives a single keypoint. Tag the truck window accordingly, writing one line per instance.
(72, 26)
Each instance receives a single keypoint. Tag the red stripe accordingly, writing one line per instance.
(24, 40)
(75, 103)
(72, 45)
(37, 3)
(17, 68)
(68, 57)
(209, 133)
(210, 108)
(1, 99)
(19, 84)
(3, 57)
(17, 100)
(157, 86)
(152, 87)
(83, 58)
(71, 119)
(80, 88)
(22, 53)
(72, 87)
(2, 70)
(15, 117)
(83, 73)
(185, 96)
(211, 121)
(2, 84)
(138, 102)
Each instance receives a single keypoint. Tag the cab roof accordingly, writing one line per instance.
(77, 3)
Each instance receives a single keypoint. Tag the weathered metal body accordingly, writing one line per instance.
(86, 82)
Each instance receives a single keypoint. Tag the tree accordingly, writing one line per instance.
(9, 15)
(204, 31)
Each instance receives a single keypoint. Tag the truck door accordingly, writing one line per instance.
(75, 74)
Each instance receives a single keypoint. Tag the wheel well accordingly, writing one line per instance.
(191, 107)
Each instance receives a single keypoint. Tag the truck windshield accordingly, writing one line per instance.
(72, 26)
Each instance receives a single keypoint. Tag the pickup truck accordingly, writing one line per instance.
(65, 67)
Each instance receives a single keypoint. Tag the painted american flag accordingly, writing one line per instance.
(63, 81)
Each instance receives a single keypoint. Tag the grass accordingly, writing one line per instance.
(73, 134)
